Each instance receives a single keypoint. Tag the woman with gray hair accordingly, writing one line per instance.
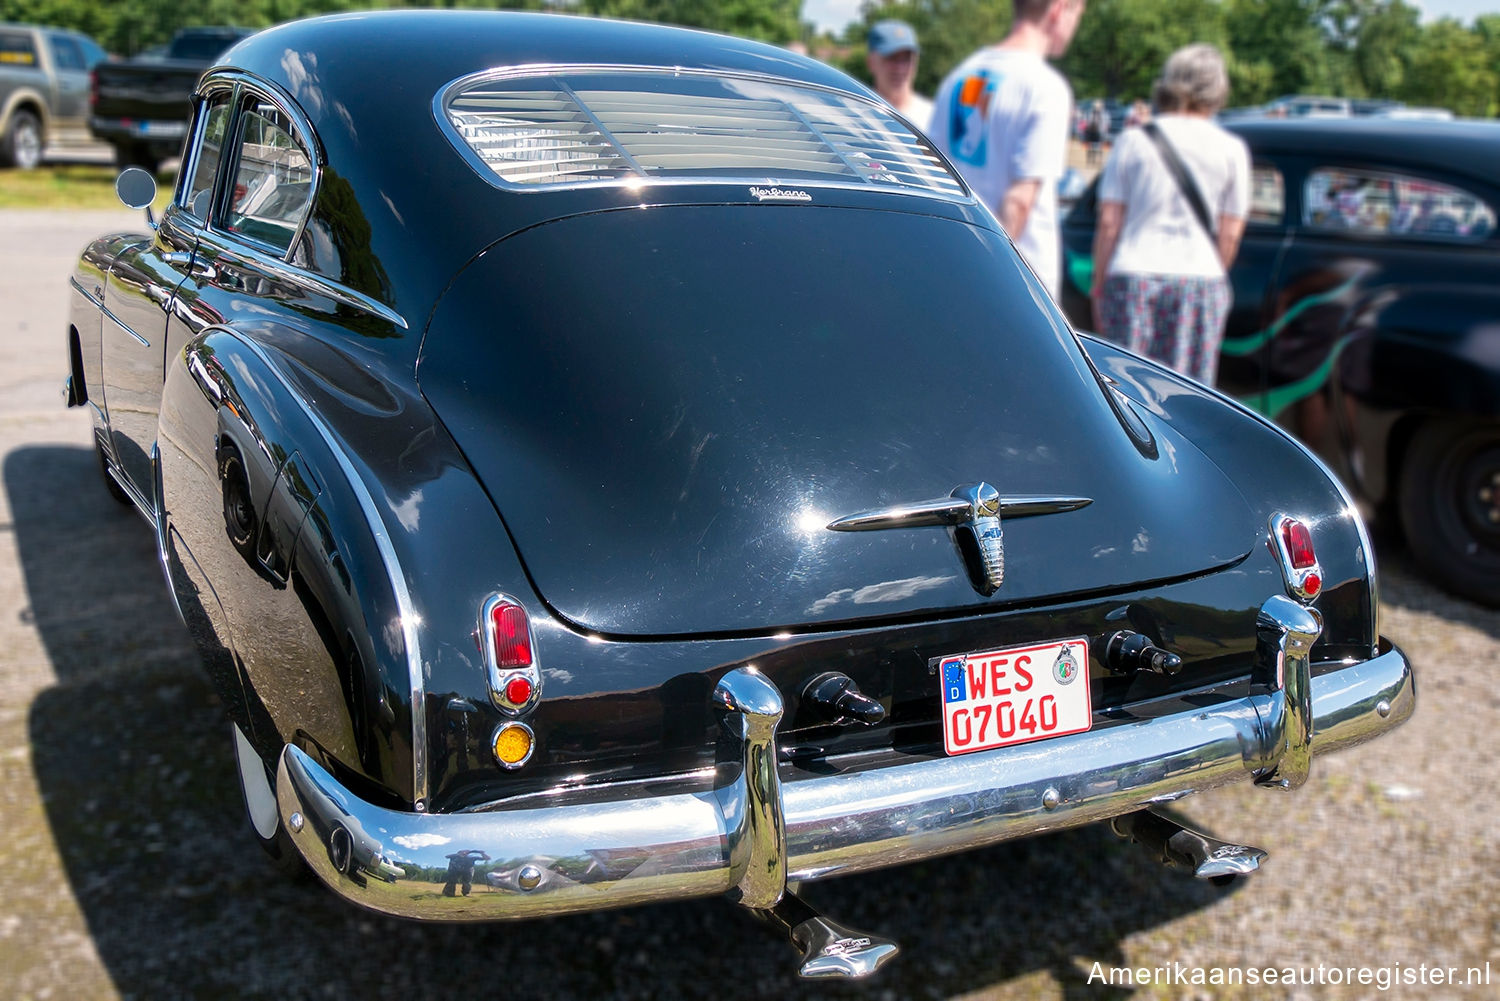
(1172, 202)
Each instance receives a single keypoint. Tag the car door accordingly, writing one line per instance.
(1242, 367)
(1361, 229)
(70, 105)
(141, 293)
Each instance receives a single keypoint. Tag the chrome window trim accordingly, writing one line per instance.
(306, 137)
(1350, 508)
(453, 87)
(388, 557)
(187, 170)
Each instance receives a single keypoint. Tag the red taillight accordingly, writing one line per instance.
(518, 691)
(1292, 542)
(1299, 546)
(512, 638)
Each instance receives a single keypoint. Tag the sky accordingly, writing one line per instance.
(834, 14)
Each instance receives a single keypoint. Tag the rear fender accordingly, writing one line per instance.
(1277, 475)
(263, 497)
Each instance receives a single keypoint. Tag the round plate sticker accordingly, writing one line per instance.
(1065, 668)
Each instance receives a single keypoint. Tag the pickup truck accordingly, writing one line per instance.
(44, 86)
(141, 107)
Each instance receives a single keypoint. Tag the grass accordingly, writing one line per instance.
(72, 186)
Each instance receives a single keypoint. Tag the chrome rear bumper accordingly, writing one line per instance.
(750, 835)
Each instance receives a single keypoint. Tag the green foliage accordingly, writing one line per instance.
(1451, 68)
(126, 27)
(1376, 48)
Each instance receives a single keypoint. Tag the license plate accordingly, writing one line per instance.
(1015, 695)
(169, 130)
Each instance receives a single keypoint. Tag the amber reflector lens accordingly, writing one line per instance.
(513, 744)
(518, 691)
(1299, 547)
(512, 637)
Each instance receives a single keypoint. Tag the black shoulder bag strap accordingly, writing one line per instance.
(1185, 182)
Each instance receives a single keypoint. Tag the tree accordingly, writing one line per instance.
(1451, 68)
(1122, 45)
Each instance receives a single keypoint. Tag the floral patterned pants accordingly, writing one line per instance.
(1176, 319)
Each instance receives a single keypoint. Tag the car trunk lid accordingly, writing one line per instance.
(670, 405)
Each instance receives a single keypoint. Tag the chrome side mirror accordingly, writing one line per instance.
(137, 189)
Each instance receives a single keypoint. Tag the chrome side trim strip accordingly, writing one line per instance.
(634, 849)
(397, 576)
(91, 297)
(159, 527)
(123, 326)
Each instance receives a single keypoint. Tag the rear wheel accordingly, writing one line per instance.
(239, 508)
(1450, 505)
(21, 146)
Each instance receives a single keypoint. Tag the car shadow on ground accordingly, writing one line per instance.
(132, 758)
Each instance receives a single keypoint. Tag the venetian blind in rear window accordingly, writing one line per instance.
(570, 127)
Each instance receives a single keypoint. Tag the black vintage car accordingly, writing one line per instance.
(603, 463)
(1366, 319)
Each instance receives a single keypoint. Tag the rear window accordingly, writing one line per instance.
(16, 49)
(572, 127)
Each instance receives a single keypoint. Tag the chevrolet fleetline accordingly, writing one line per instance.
(604, 463)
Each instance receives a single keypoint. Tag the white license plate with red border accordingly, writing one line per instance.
(1015, 695)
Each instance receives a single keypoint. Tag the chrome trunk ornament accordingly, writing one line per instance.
(972, 515)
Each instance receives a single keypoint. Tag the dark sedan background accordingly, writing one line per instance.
(1366, 319)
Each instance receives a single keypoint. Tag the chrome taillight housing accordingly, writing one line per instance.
(505, 637)
(1292, 542)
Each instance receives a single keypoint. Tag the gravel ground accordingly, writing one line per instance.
(133, 875)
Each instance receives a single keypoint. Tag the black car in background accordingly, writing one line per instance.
(1366, 319)
(141, 107)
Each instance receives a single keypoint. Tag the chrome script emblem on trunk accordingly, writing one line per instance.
(972, 515)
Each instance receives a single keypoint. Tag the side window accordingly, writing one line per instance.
(1267, 195)
(272, 187)
(1382, 203)
(16, 49)
(213, 120)
(92, 54)
(65, 53)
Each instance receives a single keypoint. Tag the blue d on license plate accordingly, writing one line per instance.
(1011, 696)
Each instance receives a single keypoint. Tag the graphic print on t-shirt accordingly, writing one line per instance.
(969, 117)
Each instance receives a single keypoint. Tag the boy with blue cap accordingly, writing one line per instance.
(892, 59)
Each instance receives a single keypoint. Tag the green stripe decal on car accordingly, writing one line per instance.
(1250, 343)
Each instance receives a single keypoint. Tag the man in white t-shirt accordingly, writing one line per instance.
(892, 58)
(1002, 117)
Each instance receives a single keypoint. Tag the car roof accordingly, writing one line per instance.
(430, 48)
(1466, 146)
(368, 84)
